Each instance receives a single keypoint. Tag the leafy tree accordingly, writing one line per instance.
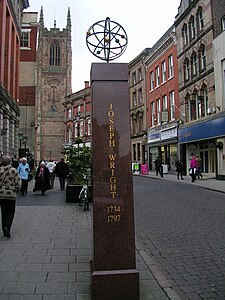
(79, 160)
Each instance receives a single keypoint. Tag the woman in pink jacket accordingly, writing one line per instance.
(193, 168)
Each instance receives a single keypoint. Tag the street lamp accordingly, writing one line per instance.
(25, 142)
(20, 134)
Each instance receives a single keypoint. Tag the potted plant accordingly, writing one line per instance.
(219, 145)
(78, 157)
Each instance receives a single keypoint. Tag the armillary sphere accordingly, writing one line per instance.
(106, 40)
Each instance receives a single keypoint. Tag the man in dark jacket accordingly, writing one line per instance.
(62, 170)
(158, 164)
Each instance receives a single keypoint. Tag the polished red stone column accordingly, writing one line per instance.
(114, 274)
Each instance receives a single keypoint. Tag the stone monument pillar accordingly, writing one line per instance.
(114, 274)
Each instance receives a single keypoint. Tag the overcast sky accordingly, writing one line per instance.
(144, 26)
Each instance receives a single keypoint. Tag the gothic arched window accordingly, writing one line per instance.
(55, 54)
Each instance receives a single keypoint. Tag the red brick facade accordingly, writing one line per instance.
(78, 116)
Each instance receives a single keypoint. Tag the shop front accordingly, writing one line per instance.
(163, 144)
(202, 139)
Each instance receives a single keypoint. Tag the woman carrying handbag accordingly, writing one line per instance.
(9, 186)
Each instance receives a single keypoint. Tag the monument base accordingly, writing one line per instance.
(115, 284)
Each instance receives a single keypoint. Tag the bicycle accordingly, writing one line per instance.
(84, 197)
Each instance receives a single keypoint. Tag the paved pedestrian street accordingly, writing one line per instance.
(48, 256)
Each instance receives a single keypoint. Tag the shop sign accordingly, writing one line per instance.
(169, 133)
(153, 137)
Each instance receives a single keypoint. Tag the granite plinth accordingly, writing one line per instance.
(113, 210)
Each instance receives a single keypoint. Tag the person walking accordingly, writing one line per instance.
(62, 171)
(23, 170)
(158, 164)
(51, 166)
(42, 179)
(179, 168)
(199, 167)
(193, 168)
(9, 186)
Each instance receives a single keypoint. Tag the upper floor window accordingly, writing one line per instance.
(194, 67)
(140, 96)
(192, 27)
(186, 69)
(140, 74)
(163, 71)
(157, 71)
(78, 110)
(81, 128)
(25, 38)
(158, 108)
(134, 79)
(185, 34)
(153, 113)
(223, 23)
(199, 19)
(89, 127)
(164, 100)
(202, 58)
(172, 106)
(134, 99)
(69, 112)
(152, 84)
(55, 54)
(171, 68)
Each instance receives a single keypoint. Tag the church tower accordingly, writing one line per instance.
(54, 69)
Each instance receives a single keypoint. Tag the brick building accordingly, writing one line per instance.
(218, 16)
(78, 116)
(138, 105)
(203, 124)
(163, 114)
(54, 67)
(28, 48)
(10, 31)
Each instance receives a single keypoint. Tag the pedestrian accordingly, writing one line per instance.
(62, 171)
(199, 167)
(193, 168)
(158, 164)
(9, 186)
(42, 179)
(51, 166)
(179, 168)
(23, 170)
